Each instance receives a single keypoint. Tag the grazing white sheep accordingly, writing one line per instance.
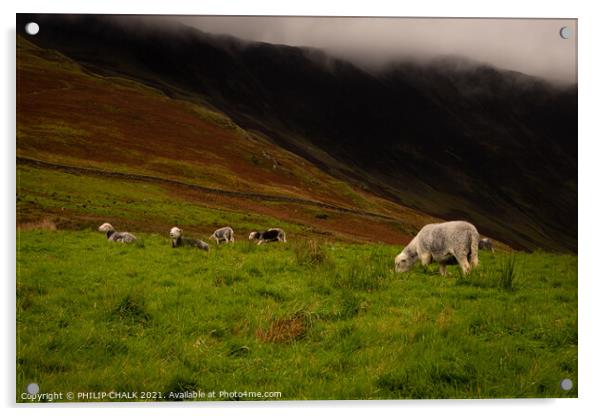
(223, 234)
(486, 244)
(443, 243)
(112, 235)
(273, 234)
(178, 241)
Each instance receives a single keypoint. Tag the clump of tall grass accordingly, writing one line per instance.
(132, 308)
(350, 305)
(311, 253)
(501, 275)
(508, 272)
(365, 273)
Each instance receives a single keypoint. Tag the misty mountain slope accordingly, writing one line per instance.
(452, 139)
(80, 133)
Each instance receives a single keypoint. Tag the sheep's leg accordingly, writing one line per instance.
(474, 252)
(443, 269)
(464, 265)
(474, 260)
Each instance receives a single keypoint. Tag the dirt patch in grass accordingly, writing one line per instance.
(284, 330)
(42, 224)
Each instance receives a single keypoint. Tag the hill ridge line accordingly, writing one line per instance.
(200, 188)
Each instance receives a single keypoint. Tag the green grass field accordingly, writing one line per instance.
(330, 321)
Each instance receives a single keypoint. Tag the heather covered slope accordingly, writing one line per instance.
(81, 135)
(455, 139)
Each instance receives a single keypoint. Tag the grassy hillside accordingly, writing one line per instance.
(312, 322)
(73, 118)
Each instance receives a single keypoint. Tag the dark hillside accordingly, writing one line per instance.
(455, 139)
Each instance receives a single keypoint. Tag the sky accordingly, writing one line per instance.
(531, 46)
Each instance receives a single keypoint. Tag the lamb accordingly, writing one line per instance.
(443, 243)
(273, 234)
(223, 234)
(119, 237)
(178, 241)
(486, 244)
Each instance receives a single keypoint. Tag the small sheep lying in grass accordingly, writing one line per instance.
(112, 235)
(442, 242)
(486, 244)
(178, 241)
(273, 234)
(223, 234)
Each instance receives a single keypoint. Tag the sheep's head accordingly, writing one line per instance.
(253, 235)
(175, 232)
(106, 227)
(405, 260)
